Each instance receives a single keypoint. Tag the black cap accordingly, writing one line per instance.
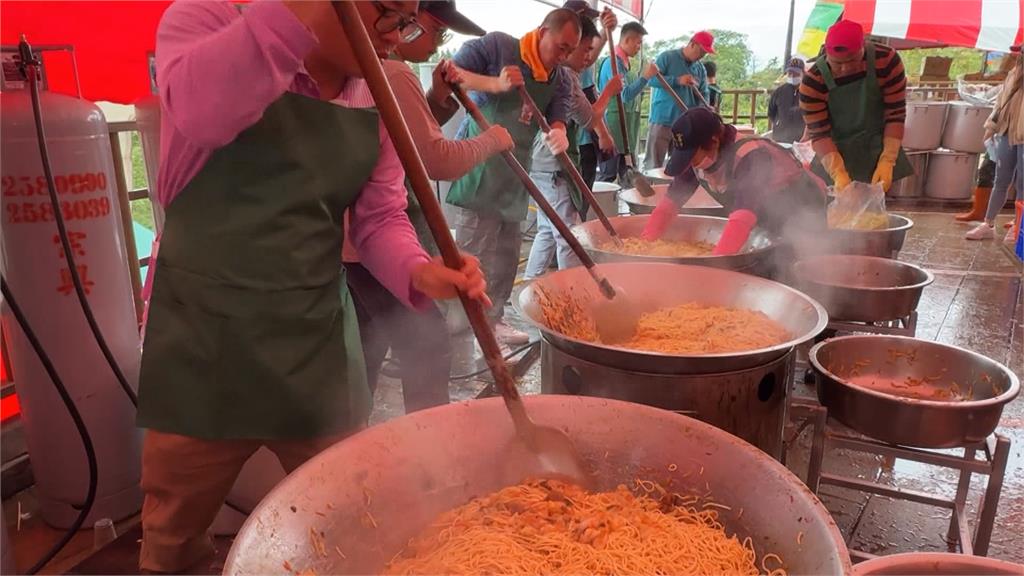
(693, 130)
(582, 8)
(452, 19)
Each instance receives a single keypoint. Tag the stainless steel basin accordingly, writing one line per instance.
(884, 243)
(860, 378)
(862, 288)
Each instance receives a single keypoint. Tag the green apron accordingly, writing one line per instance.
(251, 330)
(632, 108)
(492, 188)
(856, 111)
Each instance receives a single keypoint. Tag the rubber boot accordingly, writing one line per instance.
(977, 213)
(1018, 211)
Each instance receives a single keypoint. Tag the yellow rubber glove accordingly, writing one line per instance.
(836, 168)
(886, 162)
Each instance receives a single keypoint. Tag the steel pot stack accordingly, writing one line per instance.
(744, 393)
(944, 141)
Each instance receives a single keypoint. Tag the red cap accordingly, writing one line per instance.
(705, 40)
(844, 37)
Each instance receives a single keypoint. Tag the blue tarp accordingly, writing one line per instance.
(143, 243)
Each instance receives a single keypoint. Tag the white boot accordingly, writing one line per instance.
(983, 231)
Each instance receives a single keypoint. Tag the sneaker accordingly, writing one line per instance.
(981, 232)
(1011, 236)
(509, 335)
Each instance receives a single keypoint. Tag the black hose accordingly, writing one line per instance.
(30, 64)
(76, 417)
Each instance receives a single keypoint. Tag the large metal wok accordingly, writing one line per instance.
(862, 288)
(862, 380)
(652, 286)
(754, 255)
(884, 243)
(700, 204)
(936, 564)
(353, 507)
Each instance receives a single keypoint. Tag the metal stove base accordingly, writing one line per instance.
(995, 451)
(750, 404)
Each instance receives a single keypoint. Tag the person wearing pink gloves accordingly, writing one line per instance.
(759, 182)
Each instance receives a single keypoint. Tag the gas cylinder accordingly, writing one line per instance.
(33, 262)
(147, 117)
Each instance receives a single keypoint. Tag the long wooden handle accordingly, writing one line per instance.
(700, 95)
(513, 163)
(568, 166)
(417, 174)
(614, 61)
(668, 88)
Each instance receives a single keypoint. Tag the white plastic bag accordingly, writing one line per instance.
(859, 206)
(804, 152)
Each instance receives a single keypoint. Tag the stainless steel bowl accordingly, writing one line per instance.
(653, 286)
(885, 243)
(367, 495)
(754, 255)
(856, 377)
(862, 288)
(657, 176)
(936, 564)
(700, 204)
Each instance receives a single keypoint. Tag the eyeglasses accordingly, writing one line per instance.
(391, 20)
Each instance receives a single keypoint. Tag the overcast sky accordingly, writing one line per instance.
(763, 21)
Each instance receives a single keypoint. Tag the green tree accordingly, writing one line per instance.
(965, 60)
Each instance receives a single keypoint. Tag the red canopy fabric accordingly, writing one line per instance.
(112, 42)
(983, 24)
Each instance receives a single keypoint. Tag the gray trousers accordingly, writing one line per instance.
(1008, 169)
(659, 146)
(496, 243)
(548, 242)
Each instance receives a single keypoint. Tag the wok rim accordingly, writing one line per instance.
(774, 351)
(1006, 397)
(906, 224)
(773, 242)
(801, 264)
(895, 561)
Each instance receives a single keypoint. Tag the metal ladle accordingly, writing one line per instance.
(553, 448)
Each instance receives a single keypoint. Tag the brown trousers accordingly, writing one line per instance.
(185, 481)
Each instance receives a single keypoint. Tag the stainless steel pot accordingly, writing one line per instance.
(924, 125)
(912, 186)
(911, 421)
(607, 194)
(755, 253)
(700, 204)
(885, 243)
(936, 564)
(653, 286)
(965, 127)
(951, 175)
(366, 496)
(862, 288)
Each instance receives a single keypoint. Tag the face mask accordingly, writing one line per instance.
(794, 80)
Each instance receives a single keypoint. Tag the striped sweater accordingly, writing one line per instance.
(891, 79)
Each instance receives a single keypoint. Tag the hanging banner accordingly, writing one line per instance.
(822, 17)
(634, 8)
(983, 24)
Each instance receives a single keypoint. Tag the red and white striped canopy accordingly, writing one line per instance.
(983, 24)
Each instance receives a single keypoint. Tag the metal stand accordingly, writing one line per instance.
(995, 452)
(900, 327)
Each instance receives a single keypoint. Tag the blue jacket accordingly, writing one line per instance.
(672, 64)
